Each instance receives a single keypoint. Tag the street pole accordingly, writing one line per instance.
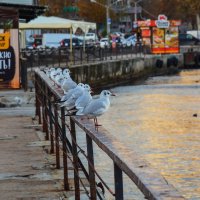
(107, 6)
(135, 12)
(108, 18)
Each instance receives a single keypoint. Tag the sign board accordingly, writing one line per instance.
(4, 40)
(162, 22)
(161, 35)
(135, 24)
(109, 20)
(9, 49)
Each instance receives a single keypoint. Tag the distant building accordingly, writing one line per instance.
(27, 9)
(125, 11)
(21, 2)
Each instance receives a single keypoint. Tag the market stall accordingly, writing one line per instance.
(161, 35)
(52, 22)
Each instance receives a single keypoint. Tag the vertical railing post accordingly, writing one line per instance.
(59, 56)
(90, 156)
(40, 103)
(45, 116)
(51, 124)
(64, 144)
(37, 105)
(118, 183)
(81, 55)
(37, 96)
(75, 160)
(57, 136)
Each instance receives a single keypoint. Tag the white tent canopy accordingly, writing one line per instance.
(43, 22)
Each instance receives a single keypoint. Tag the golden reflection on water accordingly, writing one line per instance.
(156, 120)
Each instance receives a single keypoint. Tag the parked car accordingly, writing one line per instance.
(104, 42)
(53, 39)
(92, 44)
(130, 41)
(188, 39)
(75, 42)
(118, 34)
(34, 41)
(195, 33)
(90, 36)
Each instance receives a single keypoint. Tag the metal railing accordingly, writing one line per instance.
(58, 57)
(62, 56)
(61, 130)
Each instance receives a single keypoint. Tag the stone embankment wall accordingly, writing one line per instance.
(116, 72)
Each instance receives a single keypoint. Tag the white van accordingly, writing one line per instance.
(195, 33)
(53, 39)
(91, 36)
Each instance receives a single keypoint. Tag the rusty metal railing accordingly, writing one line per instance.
(61, 56)
(61, 130)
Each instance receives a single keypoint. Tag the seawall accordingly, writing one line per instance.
(111, 73)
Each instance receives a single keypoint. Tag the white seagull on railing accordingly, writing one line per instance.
(68, 83)
(84, 99)
(97, 107)
(72, 95)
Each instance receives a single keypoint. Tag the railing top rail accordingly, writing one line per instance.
(147, 179)
(49, 83)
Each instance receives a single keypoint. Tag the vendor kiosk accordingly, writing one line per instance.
(162, 35)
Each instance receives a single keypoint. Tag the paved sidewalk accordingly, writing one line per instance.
(26, 171)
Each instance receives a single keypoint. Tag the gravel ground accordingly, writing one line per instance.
(17, 103)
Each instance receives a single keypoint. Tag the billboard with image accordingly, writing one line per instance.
(9, 49)
(161, 35)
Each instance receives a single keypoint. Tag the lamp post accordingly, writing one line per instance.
(108, 18)
(136, 2)
(107, 6)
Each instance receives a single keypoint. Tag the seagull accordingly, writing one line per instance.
(72, 96)
(97, 107)
(84, 99)
(66, 72)
(68, 83)
(54, 72)
(59, 79)
(48, 71)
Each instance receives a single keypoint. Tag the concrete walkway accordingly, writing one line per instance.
(27, 171)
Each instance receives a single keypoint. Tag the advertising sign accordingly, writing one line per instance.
(171, 40)
(161, 35)
(146, 34)
(162, 22)
(158, 39)
(9, 50)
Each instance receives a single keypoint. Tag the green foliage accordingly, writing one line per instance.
(104, 33)
(70, 9)
(192, 6)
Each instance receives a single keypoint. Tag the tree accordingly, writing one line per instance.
(94, 12)
(191, 8)
(185, 10)
(152, 8)
(91, 11)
